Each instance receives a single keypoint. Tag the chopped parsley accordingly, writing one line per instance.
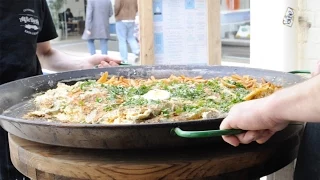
(86, 84)
(165, 113)
(193, 96)
(135, 102)
(99, 100)
(187, 92)
(110, 107)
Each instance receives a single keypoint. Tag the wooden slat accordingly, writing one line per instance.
(214, 39)
(146, 32)
(52, 162)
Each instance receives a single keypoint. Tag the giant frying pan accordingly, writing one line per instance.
(15, 101)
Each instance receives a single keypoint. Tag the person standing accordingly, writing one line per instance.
(24, 51)
(125, 15)
(97, 24)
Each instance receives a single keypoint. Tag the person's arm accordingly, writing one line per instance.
(52, 59)
(110, 10)
(117, 4)
(263, 117)
(298, 103)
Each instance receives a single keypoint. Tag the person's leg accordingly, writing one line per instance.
(3, 155)
(132, 39)
(308, 161)
(122, 39)
(104, 46)
(92, 48)
(7, 170)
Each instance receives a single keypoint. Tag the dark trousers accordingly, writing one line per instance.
(7, 170)
(308, 161)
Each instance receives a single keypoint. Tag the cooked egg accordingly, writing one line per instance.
(157, 94)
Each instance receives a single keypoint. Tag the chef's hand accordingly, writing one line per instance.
(254, 117)
(99, 60)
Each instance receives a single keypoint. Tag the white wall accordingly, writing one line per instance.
(309, 39)
(273, 45)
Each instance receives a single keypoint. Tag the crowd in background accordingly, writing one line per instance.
(97, 26)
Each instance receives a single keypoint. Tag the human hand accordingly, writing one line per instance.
(101, 61)
(256, 117)
(88, 32)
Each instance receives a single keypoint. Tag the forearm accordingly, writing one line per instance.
(297, 103)
(58, 61)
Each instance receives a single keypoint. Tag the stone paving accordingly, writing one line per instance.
(77, 47)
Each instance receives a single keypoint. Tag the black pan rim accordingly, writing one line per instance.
(69, 125)
(196, 67)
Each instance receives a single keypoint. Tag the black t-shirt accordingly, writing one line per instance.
(23, 24)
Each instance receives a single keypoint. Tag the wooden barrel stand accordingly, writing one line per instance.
(42, 162)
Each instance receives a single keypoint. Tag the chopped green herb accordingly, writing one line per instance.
(86, 84)
(81, 103)
(187, 92)
(178, 110)
(238, 85)
(99, 100)
(143, 90)
(166, 113)
(110, 107)
(135, 102)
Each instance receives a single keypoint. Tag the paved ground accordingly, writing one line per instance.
(74, 45)
(78, 47)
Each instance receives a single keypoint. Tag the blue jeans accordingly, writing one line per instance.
(125, 33)
(103, 46)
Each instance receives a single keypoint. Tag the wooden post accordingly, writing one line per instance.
(214, 28)
(146, 32)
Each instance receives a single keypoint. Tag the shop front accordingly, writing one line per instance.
(235, 29)
(235, 25)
